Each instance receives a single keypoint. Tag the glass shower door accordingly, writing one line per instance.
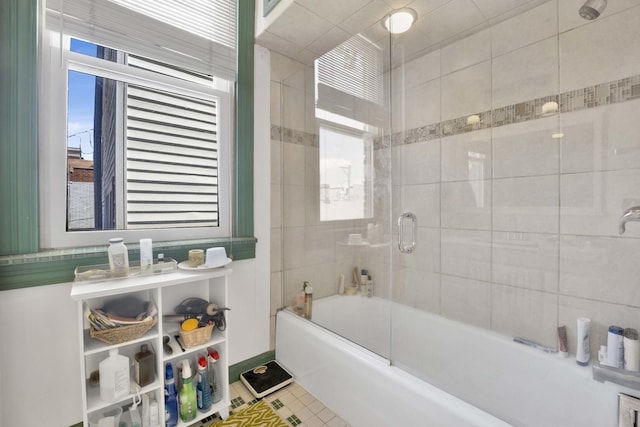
(335, 184)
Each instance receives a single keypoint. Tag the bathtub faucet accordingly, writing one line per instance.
(631, 214)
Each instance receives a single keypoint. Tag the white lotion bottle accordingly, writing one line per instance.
(146, 256)
(583, 353)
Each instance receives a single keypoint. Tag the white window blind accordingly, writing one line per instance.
(353, 68)
(172, 154)
(195, 34)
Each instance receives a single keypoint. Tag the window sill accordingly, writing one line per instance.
(57, 266)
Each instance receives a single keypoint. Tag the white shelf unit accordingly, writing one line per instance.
(166, 291)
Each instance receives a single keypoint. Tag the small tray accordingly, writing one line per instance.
(101, 272)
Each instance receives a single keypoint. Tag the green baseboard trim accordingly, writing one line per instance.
(245, 365)
(50, 267)
(77, 425)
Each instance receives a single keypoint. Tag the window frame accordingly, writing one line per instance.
(53, 112)
(23, 263)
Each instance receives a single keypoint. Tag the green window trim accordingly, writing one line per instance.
(21, 263)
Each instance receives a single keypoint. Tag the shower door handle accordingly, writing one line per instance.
(407, 249)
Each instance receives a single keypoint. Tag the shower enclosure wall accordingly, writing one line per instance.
(517, 147)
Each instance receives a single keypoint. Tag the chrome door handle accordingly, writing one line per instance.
(407, 249)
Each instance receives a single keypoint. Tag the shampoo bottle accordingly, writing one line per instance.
(583, 354)
(187, 394)
(170, 398)
(114, 376)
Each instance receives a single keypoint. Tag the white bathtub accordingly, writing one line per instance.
(512, 384)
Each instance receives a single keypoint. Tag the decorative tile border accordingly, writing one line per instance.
(612, 92)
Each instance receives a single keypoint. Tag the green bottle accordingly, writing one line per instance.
(187, 395)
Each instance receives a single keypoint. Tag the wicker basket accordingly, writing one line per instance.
(122, 334)
(197, 336)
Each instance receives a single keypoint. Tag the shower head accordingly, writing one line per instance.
(592, 9)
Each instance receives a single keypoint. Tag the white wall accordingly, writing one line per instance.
(39, 356)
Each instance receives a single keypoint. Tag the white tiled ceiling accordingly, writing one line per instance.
(306, 29)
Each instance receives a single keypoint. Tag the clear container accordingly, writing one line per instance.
(106, 416)
(118, 257)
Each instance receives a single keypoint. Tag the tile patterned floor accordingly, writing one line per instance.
(293, 404)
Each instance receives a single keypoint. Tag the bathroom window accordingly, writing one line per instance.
(345, 174)
(349, 107)
(144, 127)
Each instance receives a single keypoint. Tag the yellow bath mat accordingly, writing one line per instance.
(257, 415)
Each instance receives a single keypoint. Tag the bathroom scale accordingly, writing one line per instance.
(265, 379)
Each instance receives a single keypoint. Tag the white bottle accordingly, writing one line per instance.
(114, 377)
(145, 410)
(583, 354)
(154, 420)
(118, 257)
(146, 256)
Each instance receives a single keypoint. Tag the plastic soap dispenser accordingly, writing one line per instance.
(203, 391)
(170, 398)
(114, 376)
(187, 394)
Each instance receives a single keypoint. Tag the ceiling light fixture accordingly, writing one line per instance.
(400, 20)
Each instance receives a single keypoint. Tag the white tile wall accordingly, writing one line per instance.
(418, 71)
(466, 91)
(606, 138)
(525, 29)
(466, 300)
(524, 313)
(467, 156)
(602, 51)
(526, 204)
(592, 203)
(527, 73)
(427, 95)
(426, 255)
(420, 163)
(293, 205)
(423, 200)
(466, 204)
(525, 260)
(417, 288)
(526, 149)
(468, 51)
(466, 253)
(600, 268)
